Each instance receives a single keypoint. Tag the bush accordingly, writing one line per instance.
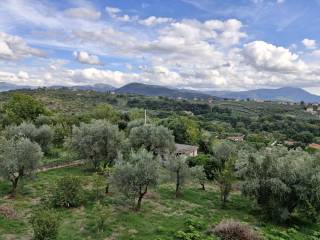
(68, 192)
(100, 215)
(234, 230)
(45, 224)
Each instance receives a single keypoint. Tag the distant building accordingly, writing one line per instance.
(186, 150)
(313, 109)
(290, 143)
(314, 146)
(239, 138)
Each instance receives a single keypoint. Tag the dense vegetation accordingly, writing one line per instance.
(126, 182)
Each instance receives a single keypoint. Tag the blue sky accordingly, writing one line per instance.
(196, 44)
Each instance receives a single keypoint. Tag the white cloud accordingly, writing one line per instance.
(86, 58)
(178, 53)
(112, 11)
(152, 20)
(265, 56)
(23, 75)
(14, 48)
(280, 1)
(83, 13)
(316, 53)
(309, 43)
(93, 75)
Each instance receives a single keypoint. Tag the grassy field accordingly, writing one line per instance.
(162, 214)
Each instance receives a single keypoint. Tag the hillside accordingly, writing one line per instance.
(155, 90)
(289, 94)
(9, 86)
(99, 87)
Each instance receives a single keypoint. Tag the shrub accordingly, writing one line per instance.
(234, 230)
(45, 224)
(100, 215)
(68, 192)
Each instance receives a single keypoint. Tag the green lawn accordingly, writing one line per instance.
(162, 215)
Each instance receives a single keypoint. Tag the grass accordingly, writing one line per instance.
(162, 214)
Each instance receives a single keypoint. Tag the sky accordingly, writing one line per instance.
(193, 44)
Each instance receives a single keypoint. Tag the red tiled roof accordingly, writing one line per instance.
(314, 145)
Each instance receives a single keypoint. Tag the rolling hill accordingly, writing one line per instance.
(155, 90)
(289, 94)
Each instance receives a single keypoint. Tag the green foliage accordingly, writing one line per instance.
(193, 231)
(185, 129)
(156, 139)
(198, 173)
(106, 112)
(98, 183)
(222, 153)
(45, 224)
(179, 170)
(22, 107)
(68, 192)
(42, 135)
(100, 214)
(199, 160)
(283, 182)
(18, 158)
(98, 142)
(134, 176)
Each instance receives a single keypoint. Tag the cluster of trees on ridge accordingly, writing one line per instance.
(130, 154)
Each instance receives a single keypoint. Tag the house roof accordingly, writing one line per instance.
(183, 148)
(314, 145)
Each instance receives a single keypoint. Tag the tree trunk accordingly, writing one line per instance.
(107, 188)
(203, 187)
(138, 207)
(14, 186)
(178, 184)
(141, 195)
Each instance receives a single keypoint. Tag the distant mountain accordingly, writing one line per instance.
(99, 87)
(155, 90)
(9, 86)
(289, 94)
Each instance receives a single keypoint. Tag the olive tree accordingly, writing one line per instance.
(134, 176)
(22, 107)
(18, 158)
(283, 182)
(179, 170)
(43, 135)
(156, 139)
(97, 142)
(221, 169)
(198, 173)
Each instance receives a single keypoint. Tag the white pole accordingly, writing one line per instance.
(145, 117)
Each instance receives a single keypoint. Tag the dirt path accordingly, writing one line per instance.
(63, 165)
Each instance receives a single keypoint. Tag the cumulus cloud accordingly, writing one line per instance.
(93, 75)
(83, 13)
(23, 75)
(309, 43)
(316, 53)
(14, 48)
(115, 13)
(174, 52)
(152, 20)
(265, 56)
(86, 58)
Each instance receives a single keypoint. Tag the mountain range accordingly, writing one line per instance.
(289, 94)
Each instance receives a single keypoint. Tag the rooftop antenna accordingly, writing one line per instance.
(145, 116)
